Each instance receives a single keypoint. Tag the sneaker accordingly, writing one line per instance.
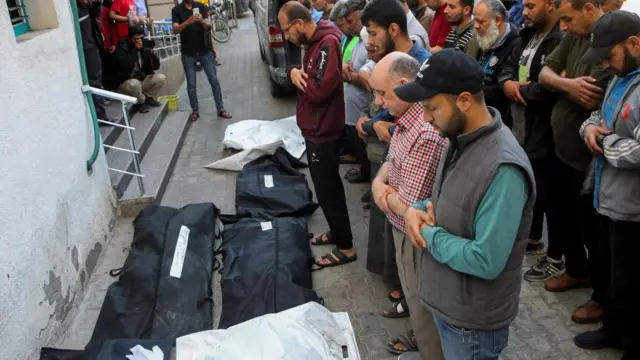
(595, 340)
(544, 270)
(535, 248)
(153, 102)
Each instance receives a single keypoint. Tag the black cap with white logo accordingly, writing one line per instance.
(448, 71)
(611, 29)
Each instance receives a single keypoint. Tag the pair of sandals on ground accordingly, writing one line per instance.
(403, 343)
(407, 341)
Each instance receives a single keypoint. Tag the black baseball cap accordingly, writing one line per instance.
(611, 29)
(448, 71)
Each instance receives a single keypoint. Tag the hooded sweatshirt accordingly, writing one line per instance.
(320, 108)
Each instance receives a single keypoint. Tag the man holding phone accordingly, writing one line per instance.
(189, 21)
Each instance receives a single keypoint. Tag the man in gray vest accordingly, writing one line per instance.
(473, 230)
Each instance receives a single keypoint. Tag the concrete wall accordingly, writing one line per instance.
(55, 216)
(172, 68)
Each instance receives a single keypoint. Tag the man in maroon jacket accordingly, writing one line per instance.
(320, 116)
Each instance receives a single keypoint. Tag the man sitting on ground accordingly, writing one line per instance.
(136, 69)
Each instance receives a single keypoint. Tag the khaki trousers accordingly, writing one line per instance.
(150, 87)
(424, 326)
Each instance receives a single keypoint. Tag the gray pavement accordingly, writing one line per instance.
(542, 330)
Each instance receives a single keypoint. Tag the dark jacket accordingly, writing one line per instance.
(493, 61)
(538, 134)
(320, 108)
(127, 57)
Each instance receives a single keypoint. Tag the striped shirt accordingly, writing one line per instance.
(458, 40)
(414, 154)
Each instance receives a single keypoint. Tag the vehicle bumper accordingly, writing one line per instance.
(279, 75)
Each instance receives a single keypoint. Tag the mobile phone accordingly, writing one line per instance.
(196, 11)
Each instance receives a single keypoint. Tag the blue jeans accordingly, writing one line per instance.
(467, 344)
(209, 66)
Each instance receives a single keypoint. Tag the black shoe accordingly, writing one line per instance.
(141, 108)
(595, 340)
(153, 102)
(536, 248)
(366, 197)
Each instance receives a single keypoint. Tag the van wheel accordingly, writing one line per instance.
(277, 90)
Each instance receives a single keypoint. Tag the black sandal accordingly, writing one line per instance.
(342, 258)
(319, 240)
(396, 299)
(399, 309)
(351, 172)
(408, 340)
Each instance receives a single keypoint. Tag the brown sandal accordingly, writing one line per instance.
(224, 114)
(194, 116)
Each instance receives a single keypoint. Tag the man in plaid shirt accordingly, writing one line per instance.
(405, 177)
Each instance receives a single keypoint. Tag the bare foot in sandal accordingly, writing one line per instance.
(403, 343)
(337, 257)
(324, 239)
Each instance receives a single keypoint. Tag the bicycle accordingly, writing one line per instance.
(220, 31)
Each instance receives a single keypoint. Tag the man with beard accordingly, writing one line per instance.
(323, 6)
(495, 39)
(458, 14)
(439, 29)
(406, 177)
(571, 218)
(473, 231)
(613, 136)
(530, 111)
(320, 116)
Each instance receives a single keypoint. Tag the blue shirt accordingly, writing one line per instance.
(515, 13)
(496, 227)
(316, 15)
(418, 53)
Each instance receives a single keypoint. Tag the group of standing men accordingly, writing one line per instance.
(491, 128)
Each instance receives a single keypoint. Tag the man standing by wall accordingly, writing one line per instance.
(571, 218)
(406, 177)
(320, 116)
(473, 231)
(458, 14)
(190, 24)
(91, 44)
(613, 136)
(530, 111)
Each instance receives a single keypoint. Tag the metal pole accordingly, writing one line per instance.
(136, 159)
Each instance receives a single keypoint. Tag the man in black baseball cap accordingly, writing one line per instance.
(613, 28)
(459, 79)
(473, 231)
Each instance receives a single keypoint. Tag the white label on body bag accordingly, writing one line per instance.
(268, 181)
(266, 225)
(180, 252)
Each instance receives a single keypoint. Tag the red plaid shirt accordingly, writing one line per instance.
(413, 158)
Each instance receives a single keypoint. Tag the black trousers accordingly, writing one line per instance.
(544, 181)
(572, 226)
(381, 251)
(620, 246)
(94, 72)
(358, 148)
(324, 162)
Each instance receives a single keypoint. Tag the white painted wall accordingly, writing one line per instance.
(54, 216)
(632, 5)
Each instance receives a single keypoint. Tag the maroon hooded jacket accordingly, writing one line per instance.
(320, 108)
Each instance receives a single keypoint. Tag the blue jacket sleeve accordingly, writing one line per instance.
(496, 226)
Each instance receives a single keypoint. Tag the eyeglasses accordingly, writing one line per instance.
(288, 27)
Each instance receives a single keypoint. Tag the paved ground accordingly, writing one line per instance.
(543, 329)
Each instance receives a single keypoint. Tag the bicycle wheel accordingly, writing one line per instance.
(221, 31)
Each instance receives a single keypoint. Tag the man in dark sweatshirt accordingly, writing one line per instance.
(494, 41)
(572, 218)
(320, 116)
